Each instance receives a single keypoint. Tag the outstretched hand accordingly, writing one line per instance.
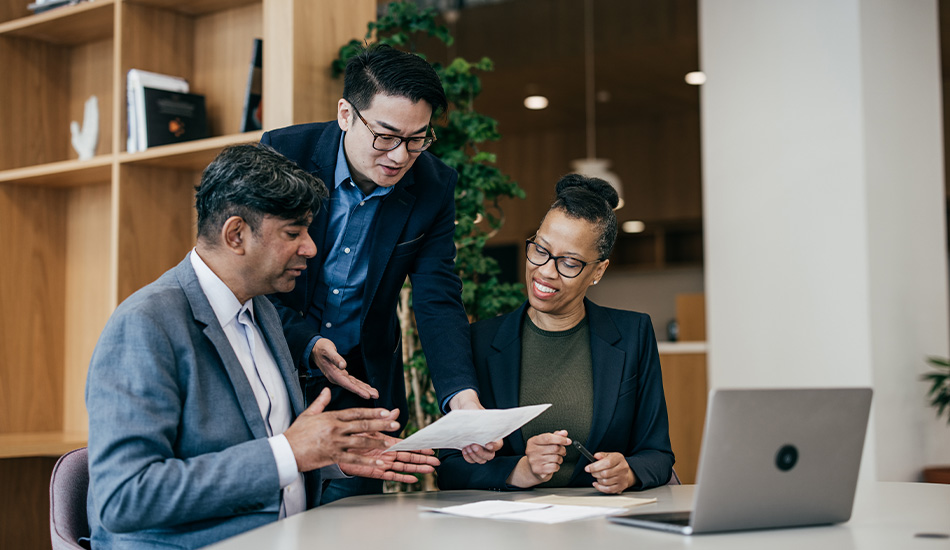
(333, 366)
(392, 466)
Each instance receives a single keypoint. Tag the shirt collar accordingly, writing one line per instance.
(342, 173)
(224, 303)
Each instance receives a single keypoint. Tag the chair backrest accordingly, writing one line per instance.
(674, 479)
(67, 500)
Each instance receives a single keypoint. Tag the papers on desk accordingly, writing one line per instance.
(460, 428)
(525, 511)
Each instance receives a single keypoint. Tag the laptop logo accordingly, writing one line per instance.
(786, 458)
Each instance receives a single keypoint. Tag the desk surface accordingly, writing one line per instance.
(886, 516)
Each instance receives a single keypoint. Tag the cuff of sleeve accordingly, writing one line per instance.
(307, 369)
(284, 456)
(445, 402)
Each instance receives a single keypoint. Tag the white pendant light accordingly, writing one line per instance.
(593, 166)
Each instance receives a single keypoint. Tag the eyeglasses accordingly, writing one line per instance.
(565, 265)
(388, 142)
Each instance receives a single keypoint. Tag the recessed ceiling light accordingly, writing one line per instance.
(634, 226)
(696, 78)
(536, 102)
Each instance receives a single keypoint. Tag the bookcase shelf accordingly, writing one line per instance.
(67, 173)
(69, 25)
(40, 444)
(191, 155)
(80, 236)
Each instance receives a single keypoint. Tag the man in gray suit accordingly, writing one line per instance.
(197, 427)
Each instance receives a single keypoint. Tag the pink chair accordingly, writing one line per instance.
(67, 501)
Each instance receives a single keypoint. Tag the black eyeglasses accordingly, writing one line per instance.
(565, 265)
(388, 142)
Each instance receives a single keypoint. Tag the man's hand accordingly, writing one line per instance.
(396, 465)
(325, 357)
(474, 454)
(544, 454)
(319, 438)
(611, 473)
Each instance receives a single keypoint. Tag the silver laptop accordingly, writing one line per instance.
(773, 458)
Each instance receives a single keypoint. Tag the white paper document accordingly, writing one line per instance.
(460, 428)
(525, 511)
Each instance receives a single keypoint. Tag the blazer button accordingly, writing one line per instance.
(301, 313)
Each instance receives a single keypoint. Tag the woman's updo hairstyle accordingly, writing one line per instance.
(593, 200)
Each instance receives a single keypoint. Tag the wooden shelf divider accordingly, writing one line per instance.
(68, 25)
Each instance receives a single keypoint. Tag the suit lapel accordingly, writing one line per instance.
(608, 362)
(204, 314)
(390, 221)
(504, 368)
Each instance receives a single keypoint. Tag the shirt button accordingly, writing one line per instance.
(362, 203)
(336, 290)
(346, 250)
(352, 184)
(328, 325)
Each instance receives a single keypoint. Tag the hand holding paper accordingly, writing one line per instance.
(460, 428)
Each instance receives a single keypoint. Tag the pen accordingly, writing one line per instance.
(587, 454)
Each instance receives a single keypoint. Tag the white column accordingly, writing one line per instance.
(825, 227)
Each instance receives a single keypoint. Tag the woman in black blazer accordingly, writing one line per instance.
(598, 367)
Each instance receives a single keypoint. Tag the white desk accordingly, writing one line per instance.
(886, 516)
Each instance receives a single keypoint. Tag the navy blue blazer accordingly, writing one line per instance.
(629, 414)
(412, 235)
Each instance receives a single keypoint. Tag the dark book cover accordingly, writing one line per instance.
(172, 117)
(252, 97)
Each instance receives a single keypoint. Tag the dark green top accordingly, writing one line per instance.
(556, 368)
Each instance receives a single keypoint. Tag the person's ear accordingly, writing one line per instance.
(234, 234)
(344, 112)
(599, 272)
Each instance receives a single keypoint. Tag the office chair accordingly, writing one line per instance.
(674, 479)
(67, 501)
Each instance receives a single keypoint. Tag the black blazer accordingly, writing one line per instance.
(629, 414)
(413, 234)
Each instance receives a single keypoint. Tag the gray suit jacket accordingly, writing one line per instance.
(178, 451)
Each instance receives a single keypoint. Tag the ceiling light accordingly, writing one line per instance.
(536, 102)
(633, 226)
(696, 78)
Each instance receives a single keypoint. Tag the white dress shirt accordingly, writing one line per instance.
(265, 380)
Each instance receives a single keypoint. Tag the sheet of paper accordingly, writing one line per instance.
(611, 501)
(525, 511)
(460, 428)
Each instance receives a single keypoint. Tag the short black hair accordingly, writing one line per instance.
(593, 200)
(253, 180)
(382, 69)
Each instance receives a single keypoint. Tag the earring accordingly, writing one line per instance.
(597, 281)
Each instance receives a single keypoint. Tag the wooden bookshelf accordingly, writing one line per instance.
(80, 236)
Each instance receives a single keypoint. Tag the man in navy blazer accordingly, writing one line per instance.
(197, 426)
(391, 215)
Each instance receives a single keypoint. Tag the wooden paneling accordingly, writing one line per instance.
(34, 114)
(89, 300)
(691, 316)
(298, 86)
(24, 510)
(656, 159)
(223, 48)
(85, 22)
(155, 214)
(90, 73)
(32, 294)
(685, 388)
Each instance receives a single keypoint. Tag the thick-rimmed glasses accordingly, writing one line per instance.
(388, 142)
(565, 265)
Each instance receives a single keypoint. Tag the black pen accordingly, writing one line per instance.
(587, 454)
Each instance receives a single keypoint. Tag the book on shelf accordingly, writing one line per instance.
(44, 5)
(252, 96)
(172, 117)
(136, 82)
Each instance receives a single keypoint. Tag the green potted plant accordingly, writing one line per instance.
(939, 395)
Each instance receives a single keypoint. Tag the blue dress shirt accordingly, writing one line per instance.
(339, 298)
